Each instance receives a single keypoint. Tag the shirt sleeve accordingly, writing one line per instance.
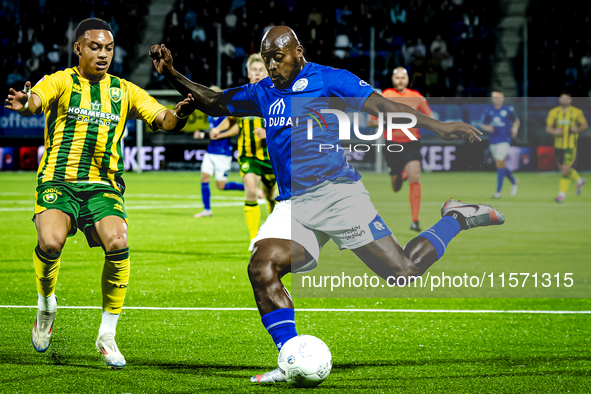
(486, 117)
(142, 105)
(242, 101)
(50, 88)
(551, 118)
(512, 114)
(342, 83)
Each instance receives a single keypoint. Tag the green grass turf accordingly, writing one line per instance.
(178, 261)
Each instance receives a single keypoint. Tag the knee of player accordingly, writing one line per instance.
(267, 264)
(51, 245)
(220, 185)
(115, 242)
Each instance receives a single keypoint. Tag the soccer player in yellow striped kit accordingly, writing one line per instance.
(565, 123)
(79, 183)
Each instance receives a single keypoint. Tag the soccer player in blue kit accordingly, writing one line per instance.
(217, 160)
(320, 194)
(501, 121)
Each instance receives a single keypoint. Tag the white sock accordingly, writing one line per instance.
(109, 323)
(47, 304)
(561, 194)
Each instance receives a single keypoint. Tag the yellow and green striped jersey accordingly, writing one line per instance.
(84, 125)
(249, 145)
(558, 118)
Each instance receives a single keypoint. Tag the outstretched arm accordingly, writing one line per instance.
(376, 103)
(206, 100)
(177, 119)
(16, 101)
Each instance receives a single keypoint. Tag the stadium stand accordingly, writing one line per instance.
(432, 39)
(34, 43)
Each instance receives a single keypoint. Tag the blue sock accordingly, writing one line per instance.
(234, 186)
(281, 325)
(500, 178)
(206, 195)
(441, 233)
(509, 175)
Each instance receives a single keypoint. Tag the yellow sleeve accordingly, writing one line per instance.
(142, 105)
(581, 117)
(551, 117)
(50, 88)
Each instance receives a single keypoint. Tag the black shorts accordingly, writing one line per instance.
(398, 160)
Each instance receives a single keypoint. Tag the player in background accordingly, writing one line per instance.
(217, 160)
(410, 158)
(501, 121)
(79, 183)
(326, 188)
(565, 123)
(253, 157)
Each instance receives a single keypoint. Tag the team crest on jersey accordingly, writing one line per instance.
(50, 198)
(300, 85)
(116, 94)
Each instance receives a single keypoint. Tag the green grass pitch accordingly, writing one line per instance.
(182, 262)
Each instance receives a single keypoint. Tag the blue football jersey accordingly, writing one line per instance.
(222, 146)
(502, 119)
(296, 160)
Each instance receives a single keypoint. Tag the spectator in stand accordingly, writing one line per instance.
(438, 47)
(14, 77)
(38, 49)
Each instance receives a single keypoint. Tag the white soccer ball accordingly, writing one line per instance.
(305, 361)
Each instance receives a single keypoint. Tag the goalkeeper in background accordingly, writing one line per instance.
(79, 184)
(565, 123)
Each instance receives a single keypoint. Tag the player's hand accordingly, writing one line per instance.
(574, 129)
(456, 130)
(557, 131)
(162, 58)
(17, 100)
(260, 132)
(214, 134)
(185, 107)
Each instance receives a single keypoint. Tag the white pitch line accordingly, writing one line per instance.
(321, 310)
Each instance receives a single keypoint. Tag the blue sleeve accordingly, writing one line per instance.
(512, 114)
(242, 101)
(486, 118)
(342, 83)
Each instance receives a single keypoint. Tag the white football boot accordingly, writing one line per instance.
(42, 330)
(105, 345)
(273, 376)
(206, 213)
(472, 215)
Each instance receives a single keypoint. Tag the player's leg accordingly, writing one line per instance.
(269, 186)
(252, 212)
(112, 233)
(223, 166)
(386, 258)
(395, 161)
(207, 168)
(104, 220)
(413, 169)
(570, 156)
(53, 227)
(508, 172)
(282, 245)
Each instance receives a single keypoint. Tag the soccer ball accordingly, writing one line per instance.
(305, 361)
